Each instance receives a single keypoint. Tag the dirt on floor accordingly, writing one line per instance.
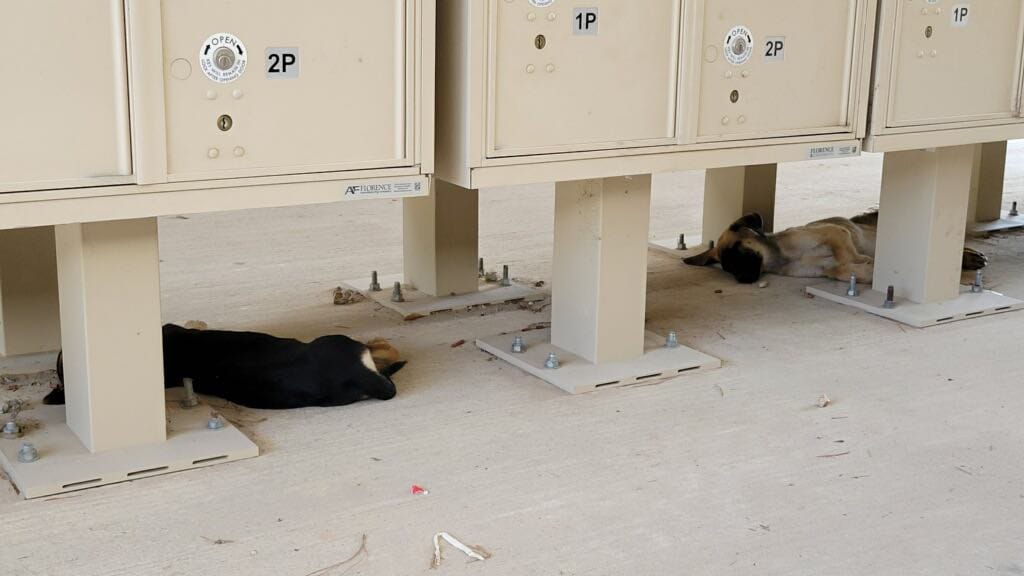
(915, 465)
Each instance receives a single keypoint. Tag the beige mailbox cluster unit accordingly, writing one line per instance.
(947, 96)
(116, 112)
(597, 96)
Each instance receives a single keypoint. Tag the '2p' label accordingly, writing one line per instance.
(223, 58)
(739, 45)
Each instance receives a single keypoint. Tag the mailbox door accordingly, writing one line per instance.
(64, 104)
(774, 68)
(955, 60)
(579, 76)
(267, 87)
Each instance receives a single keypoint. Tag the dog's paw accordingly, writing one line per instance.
(974, 260)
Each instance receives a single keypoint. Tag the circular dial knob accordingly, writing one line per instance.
(739, 45)
(224, 58)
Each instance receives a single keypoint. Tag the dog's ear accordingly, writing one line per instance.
(754, 221)
(706, 258)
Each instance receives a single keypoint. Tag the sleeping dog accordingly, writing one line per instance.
(263, 371)
(834, 248)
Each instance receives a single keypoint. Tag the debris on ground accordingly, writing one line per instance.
(491, 277)
(719, 291)
(537, 326)
(539, 284)
(360, 553)
(808, 295)
(763, 285)
(345, 296)
(197, 325)
(474, 552)
(824, 401)
(419, 491)
(218, 541)
(834, 455)
(458, 344)
(414, 317)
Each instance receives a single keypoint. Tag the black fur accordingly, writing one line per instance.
(743, 263)
(263, 371)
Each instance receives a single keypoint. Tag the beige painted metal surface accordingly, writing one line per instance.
(440, 237)
(65, 465)
(577, 375)
(325, 87)
(565, 79)
(922, 223)
(531, 92)
(599, 272)
(986, 202)
(947, 73)
(730, 193)
(786, 70)
(948, 66)
(109, 280)
(312, 92)
(64, 106)
(966, 306)
(29, 307)
(417, 304)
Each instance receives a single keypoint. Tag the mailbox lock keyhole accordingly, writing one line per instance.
(540, 42)
(928, 32)
(735, 96)
(224, 123)
(224, 58)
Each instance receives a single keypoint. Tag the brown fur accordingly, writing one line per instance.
(834, 248)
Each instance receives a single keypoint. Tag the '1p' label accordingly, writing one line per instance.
(584, 22)
(961, 15)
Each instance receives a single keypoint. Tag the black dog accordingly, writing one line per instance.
(263, 371)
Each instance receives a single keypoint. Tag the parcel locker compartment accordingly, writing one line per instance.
(64, 106)
(776, 67)
(955, 61)
(276, 87)
(577, 76)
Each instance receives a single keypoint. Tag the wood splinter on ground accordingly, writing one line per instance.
(824, 401)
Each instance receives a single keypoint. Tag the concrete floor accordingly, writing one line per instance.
(916, 468)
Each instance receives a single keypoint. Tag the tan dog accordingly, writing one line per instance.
(834, 248)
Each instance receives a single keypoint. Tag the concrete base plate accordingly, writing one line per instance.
(1007, 222)
(65, 465)
(578, 376)
(968, 305)
(418, 304)
(668, 246)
